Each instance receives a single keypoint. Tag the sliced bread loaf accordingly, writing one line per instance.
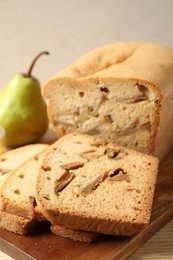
(86, 183)
(116, 92)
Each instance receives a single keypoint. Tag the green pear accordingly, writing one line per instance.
(23, 111)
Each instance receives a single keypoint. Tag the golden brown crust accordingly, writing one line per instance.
(16, 224)
(147, 61)
(164, 138)
(101, 226)
(76, 235)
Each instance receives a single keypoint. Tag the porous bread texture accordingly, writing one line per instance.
(120, 111)
(8, 162)
(116, 92)
(13, 158)
(18, 190)
(89, 184)
(76, 235)
(16, 224)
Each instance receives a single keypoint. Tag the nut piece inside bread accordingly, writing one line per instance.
(105, 188)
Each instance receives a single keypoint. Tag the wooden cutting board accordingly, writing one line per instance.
(44, 245)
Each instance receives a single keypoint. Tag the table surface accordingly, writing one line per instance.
(68, 29)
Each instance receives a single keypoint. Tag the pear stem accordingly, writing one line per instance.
(28, 74)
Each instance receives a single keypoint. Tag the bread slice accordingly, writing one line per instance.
(76, 235)
(86, 183)
(16, 224)
(13, 158)
(18, 191)
(8, 162)
(116, 92)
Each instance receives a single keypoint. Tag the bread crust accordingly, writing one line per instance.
(16, 224)
(76, 235)
(144, 61)
(99, 226)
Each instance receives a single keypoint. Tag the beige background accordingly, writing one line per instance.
(69, 28)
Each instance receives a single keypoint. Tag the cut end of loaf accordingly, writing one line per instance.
(90, 184)
(123, 111)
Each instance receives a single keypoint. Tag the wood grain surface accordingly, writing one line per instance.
(43, 245)
(158, 246)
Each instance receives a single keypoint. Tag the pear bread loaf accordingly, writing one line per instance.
(89, 184)
(121, 92)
